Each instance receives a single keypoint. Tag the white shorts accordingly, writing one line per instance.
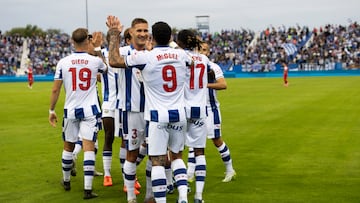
(86, 128)
(163, 135)
(108, 113)
(133, 129)
(118, 123)
(213, 123)
(196, 133)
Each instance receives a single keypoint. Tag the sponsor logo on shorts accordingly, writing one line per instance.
(196, 122)
(171, 127)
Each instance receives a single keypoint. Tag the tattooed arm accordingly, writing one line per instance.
(115, 28)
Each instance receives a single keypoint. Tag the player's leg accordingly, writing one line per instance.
(224, 151)
(191, 165)
(214, 132)
(109, 130)
(169, 175)
(134, 132)
(149, 195)
(142, 154)
(119, 133)
(177, 137)
(67, 162)
(285, 79)
(196, 138)
(122, 157)
(157, 148)
(31, 81)
(200, 173)
(70, 136)
(77, 149)
(88, 132)
(99, 127)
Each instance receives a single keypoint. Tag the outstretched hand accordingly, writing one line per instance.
(97, 39)
(113, 22)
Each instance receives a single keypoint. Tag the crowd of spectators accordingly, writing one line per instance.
(317, 49)
(43, 52)
(10, 54)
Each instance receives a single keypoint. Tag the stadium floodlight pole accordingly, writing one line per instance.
(87, 21)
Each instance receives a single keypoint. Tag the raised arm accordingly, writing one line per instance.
(219, 84)
(115, 28)
(95, 45)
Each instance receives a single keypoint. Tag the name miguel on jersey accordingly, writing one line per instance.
(167, 56)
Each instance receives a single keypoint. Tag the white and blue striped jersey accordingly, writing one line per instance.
(196, 88)
(109, 84)
(165, 73)
(78, 72)
(133, 96)
(212, 100)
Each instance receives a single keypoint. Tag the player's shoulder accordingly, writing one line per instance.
(205, 58)
(217, 69)
(214, 65)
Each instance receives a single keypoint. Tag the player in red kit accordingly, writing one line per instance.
(285, 73)
(30, 77)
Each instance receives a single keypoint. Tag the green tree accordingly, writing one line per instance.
(28, 31)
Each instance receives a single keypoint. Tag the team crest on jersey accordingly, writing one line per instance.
(106, 110)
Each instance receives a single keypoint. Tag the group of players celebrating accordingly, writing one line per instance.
(157, 94)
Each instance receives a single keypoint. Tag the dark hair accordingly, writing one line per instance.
(127, 34)
(187, 39)
(138, 21)
(80, 35)
(161, 32)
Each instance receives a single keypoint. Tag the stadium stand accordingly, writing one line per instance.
(329, 47)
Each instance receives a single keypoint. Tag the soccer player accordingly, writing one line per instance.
(110, 91)
(195, 100)
(112, 97)
(133, 107)
(78, 73)
(96, 40)
(30, 75)
(164, 72)
(285, 72)
(214, 119)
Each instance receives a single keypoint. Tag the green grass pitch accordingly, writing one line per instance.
(288, 144)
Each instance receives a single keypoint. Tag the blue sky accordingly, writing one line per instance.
(67, 15)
